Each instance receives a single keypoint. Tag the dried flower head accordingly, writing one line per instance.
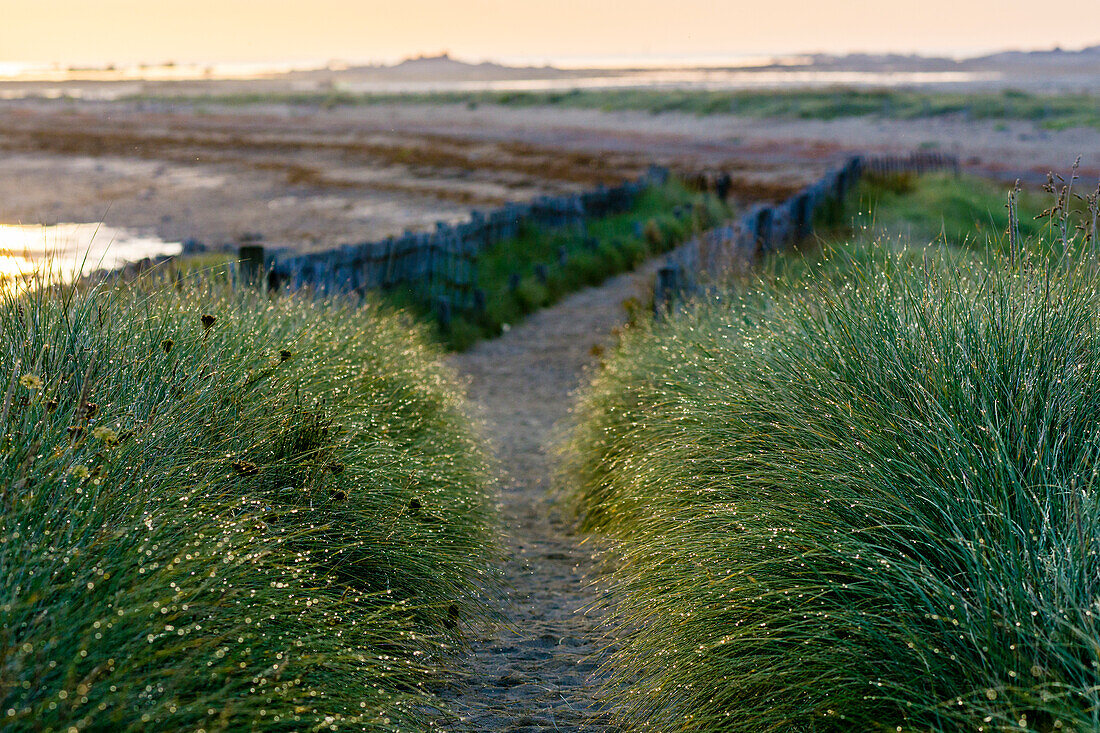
(108, 436)
(244, 468)
(284, 355)
(31, 381)
(90, 410)
(51, 406)
(208, 321)
(452, 617)
(167, 345)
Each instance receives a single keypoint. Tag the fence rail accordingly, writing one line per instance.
(442, 265)
(922, 161)
(765, 228)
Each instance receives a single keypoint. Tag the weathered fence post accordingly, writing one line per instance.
(763, 229)
(667, 290)
(803, 215)
(251, 263)
(443, 310)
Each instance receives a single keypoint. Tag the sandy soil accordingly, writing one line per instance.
(309, 178)
(313, 179)
(539, 670)
(773, 147)
(303, 182)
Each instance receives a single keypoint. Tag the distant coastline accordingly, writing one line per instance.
(1039, 72)
(444, 65)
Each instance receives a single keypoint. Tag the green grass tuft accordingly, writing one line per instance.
(222, 511)
(864, 503)
(1048, 111)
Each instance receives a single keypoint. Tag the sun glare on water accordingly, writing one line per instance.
(65, 251)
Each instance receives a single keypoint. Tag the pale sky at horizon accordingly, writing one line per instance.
(131, 31)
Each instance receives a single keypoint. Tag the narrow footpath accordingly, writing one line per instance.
(538, 670)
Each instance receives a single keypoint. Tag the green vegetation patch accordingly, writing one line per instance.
(908, 216)
(944, 209)
(543, 264)
(223, 512)
(863, 503)
(1050, 111)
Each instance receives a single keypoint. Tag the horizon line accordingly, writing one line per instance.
(537, 60)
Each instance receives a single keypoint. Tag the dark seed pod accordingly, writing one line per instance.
(284, 355)
(208, 321)
(244, 468)
(414, 506)
(452, 617)
(167, 344)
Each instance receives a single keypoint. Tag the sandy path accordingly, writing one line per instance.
(537, 671)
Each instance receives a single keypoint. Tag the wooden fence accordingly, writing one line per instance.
(923, 161)
(705, 260)
(441, 266)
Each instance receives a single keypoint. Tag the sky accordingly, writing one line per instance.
(98, 32)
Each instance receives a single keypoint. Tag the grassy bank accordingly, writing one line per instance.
(944, 210)
(909, 216)
(543, 264)
(864, 503)
(1048, 111)
(223, 512)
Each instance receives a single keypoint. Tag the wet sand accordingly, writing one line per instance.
(310, 178)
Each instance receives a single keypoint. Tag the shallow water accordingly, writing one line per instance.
(700, 79)
(65, 251)
(709, 79)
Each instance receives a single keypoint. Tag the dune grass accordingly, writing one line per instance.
(944, 209)
(908, 216)
(863, 503)
(222, 512)
(1048, 111)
